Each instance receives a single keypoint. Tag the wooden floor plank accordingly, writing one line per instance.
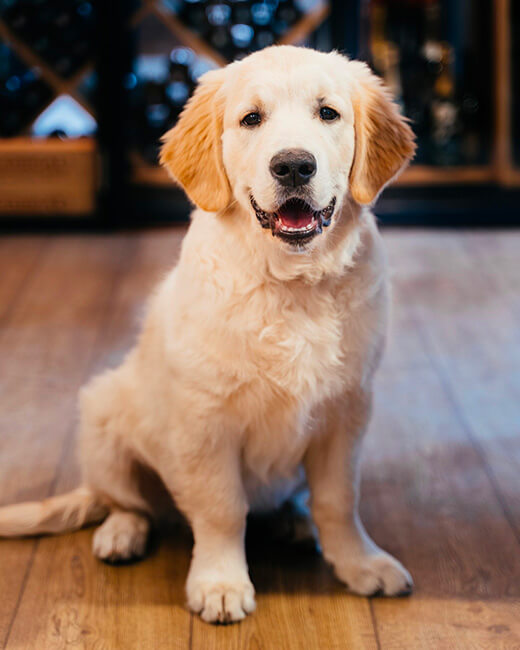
(429, 623)
(19, 258)
(88, 603)
(427, 499)
(45, 347)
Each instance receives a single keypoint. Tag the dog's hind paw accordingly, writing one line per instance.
(122, 537)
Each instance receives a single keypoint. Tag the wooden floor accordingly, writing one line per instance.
(441, 484)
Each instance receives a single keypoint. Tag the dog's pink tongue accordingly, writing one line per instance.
(294, 215)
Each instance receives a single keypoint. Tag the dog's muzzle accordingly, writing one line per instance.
(295, 221)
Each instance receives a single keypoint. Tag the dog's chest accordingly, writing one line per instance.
(292, 358)
(295, 346)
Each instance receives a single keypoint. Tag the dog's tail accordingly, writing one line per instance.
(60, 514)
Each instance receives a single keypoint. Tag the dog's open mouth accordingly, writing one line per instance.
(295, 221)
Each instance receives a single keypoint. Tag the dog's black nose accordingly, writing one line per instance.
(293, 167)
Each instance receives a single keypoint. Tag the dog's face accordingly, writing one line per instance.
(288, 133)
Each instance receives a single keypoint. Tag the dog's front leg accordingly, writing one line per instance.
(207, 488)
(332, 472)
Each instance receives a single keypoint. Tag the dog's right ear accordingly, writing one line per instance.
(192, 150)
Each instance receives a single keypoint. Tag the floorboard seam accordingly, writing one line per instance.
(374, 623)
(190, 637)
(22, 591)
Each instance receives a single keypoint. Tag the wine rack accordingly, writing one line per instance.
(177, 40)
(47, 84)
(449, 63)
(87, 88)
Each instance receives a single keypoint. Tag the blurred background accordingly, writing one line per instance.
(87, 88)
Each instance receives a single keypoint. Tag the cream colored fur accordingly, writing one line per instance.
(256, 360)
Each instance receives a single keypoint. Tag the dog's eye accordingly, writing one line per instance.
(251, 119)
(328, 114)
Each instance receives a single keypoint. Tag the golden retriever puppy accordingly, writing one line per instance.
(256, 359)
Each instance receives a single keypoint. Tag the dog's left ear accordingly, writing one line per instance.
(192, 150)
(384, 141)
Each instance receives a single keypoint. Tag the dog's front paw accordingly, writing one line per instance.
(375, 574)
(221, 602)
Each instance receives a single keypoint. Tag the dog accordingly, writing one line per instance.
(254, 367)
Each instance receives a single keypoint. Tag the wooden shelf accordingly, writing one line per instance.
(432, 175)
(48, 176)
(47, 145)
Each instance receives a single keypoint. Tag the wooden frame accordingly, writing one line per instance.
(505, 171)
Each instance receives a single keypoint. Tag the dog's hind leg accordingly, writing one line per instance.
(124, 534)
(112, 468)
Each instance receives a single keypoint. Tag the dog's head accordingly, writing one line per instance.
(289, 133)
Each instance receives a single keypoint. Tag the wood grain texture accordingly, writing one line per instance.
(440, 479)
